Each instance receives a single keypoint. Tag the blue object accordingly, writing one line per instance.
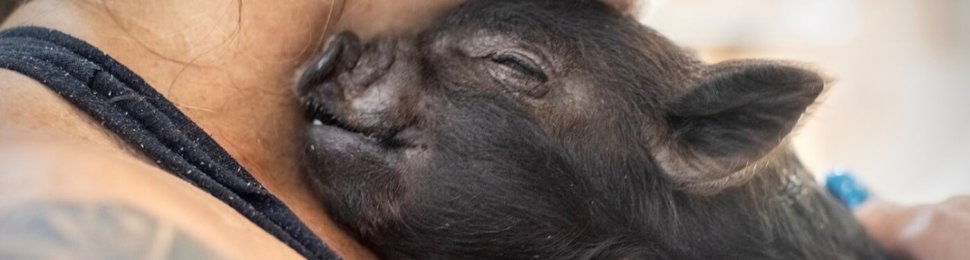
(843, 186)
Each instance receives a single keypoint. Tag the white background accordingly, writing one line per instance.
(898, 113)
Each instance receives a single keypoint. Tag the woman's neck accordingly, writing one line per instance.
(247, 48)
(227, 64)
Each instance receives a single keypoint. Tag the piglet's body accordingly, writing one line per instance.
(564, 129)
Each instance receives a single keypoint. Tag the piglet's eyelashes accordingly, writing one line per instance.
(519, 72)
(520, 63)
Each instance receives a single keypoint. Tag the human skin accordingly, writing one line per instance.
(50, 189)
(228, 65)
(925, 231)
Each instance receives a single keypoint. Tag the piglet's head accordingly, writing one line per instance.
(533, 117)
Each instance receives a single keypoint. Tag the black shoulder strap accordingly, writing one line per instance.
(123, 103)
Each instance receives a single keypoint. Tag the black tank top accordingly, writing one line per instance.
(124, 104)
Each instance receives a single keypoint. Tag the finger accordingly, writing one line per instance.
(883, 220)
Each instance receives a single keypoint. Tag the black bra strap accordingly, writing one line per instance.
(126, 105)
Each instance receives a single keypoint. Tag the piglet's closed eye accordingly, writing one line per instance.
(737, 113)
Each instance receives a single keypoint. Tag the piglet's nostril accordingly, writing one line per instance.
(326, 62)
(341, 53)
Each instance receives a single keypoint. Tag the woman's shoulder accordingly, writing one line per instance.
(69, 188)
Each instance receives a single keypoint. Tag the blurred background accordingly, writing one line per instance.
(898, 113)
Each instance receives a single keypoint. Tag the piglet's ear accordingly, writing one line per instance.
(737, 113)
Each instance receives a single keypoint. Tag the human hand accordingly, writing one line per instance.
(929, 231)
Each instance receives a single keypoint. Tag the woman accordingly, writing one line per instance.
(228, 65)
(70, 187)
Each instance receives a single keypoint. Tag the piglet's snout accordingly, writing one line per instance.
(370, 86)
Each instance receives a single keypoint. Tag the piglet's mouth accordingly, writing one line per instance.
(325, 123)
(319, 118)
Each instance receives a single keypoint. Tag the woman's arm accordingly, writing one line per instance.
(60, 200)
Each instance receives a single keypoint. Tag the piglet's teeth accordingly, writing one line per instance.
(317, 122)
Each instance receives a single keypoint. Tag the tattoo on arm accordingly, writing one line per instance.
(69, 230)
